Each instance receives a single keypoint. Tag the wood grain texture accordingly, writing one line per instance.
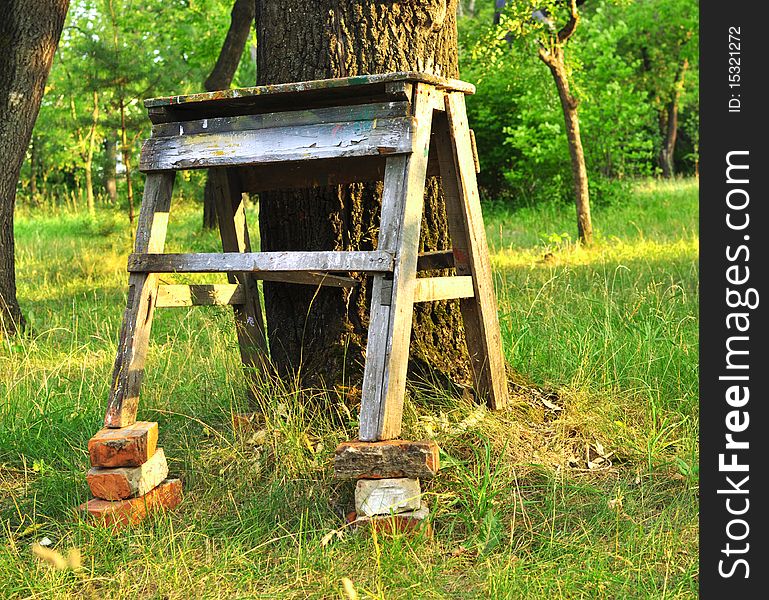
(233, 230)
(128, 371)
(299, 87)
(367, 261)
(430, 289)
(279, 144)
(391, 458)
(402, 202)
(293, 118)
(471, 253)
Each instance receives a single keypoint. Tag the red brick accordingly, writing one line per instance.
(403, 523)
(124, 447)
(166, 496)
(387, 459)
(119, 483)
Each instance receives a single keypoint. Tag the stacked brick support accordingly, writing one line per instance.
(129, 475)
(388, 494)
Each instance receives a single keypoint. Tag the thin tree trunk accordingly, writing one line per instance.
(110, 176)
(29, 34)
(669, 124)
(126, 161)
(241, 19)
(321, 333)
(554, 59)
(33, 158)
(578, 168)
(88, 162)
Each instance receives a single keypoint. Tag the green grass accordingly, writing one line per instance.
(604, 346)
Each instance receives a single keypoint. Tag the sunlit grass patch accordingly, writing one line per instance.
(585, 486)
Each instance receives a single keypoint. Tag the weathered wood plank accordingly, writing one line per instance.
(222, 294)
(292, 118)
(128, 371)
(308, 278)
(430, 289)
(279, 144)
(435, 260)
(233, 231)
(392, 458)
(402, 203)
(365, 261)
(318, 84)
(471, 254)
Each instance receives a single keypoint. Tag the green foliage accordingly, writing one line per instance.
(517, 117)
(124, 51)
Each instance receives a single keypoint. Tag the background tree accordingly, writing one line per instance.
(29, 34)
(665, 38)
(320, 334)
(551, 51)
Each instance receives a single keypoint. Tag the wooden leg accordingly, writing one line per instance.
(249, 322)
(471, 252)
(387, 350)
(142, 290)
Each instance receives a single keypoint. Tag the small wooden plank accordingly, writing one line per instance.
(308, 278)
(471, 253)
(476, 160)
(430, 289)
(129, 446)
(128, 371)
(176, 296)
(166, 496)
(384, 378)
(391, 458)
(365, 261)
(279, 144)
(292, 118)
(435, 260)
(317, 84)
(126, 482)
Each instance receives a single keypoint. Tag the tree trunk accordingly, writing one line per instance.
(241, 18)
(126, 161)
(669, 124)
(33, 159)
(29, 34)
(320, 334)
(88, 162)
(555, 62)
(110, 175)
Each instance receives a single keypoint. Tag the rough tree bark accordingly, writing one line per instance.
(29, 34)
(553, 56)
(669, 123)
(320, 334)
(241, 18)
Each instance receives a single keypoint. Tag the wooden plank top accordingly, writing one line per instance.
(312, 86)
